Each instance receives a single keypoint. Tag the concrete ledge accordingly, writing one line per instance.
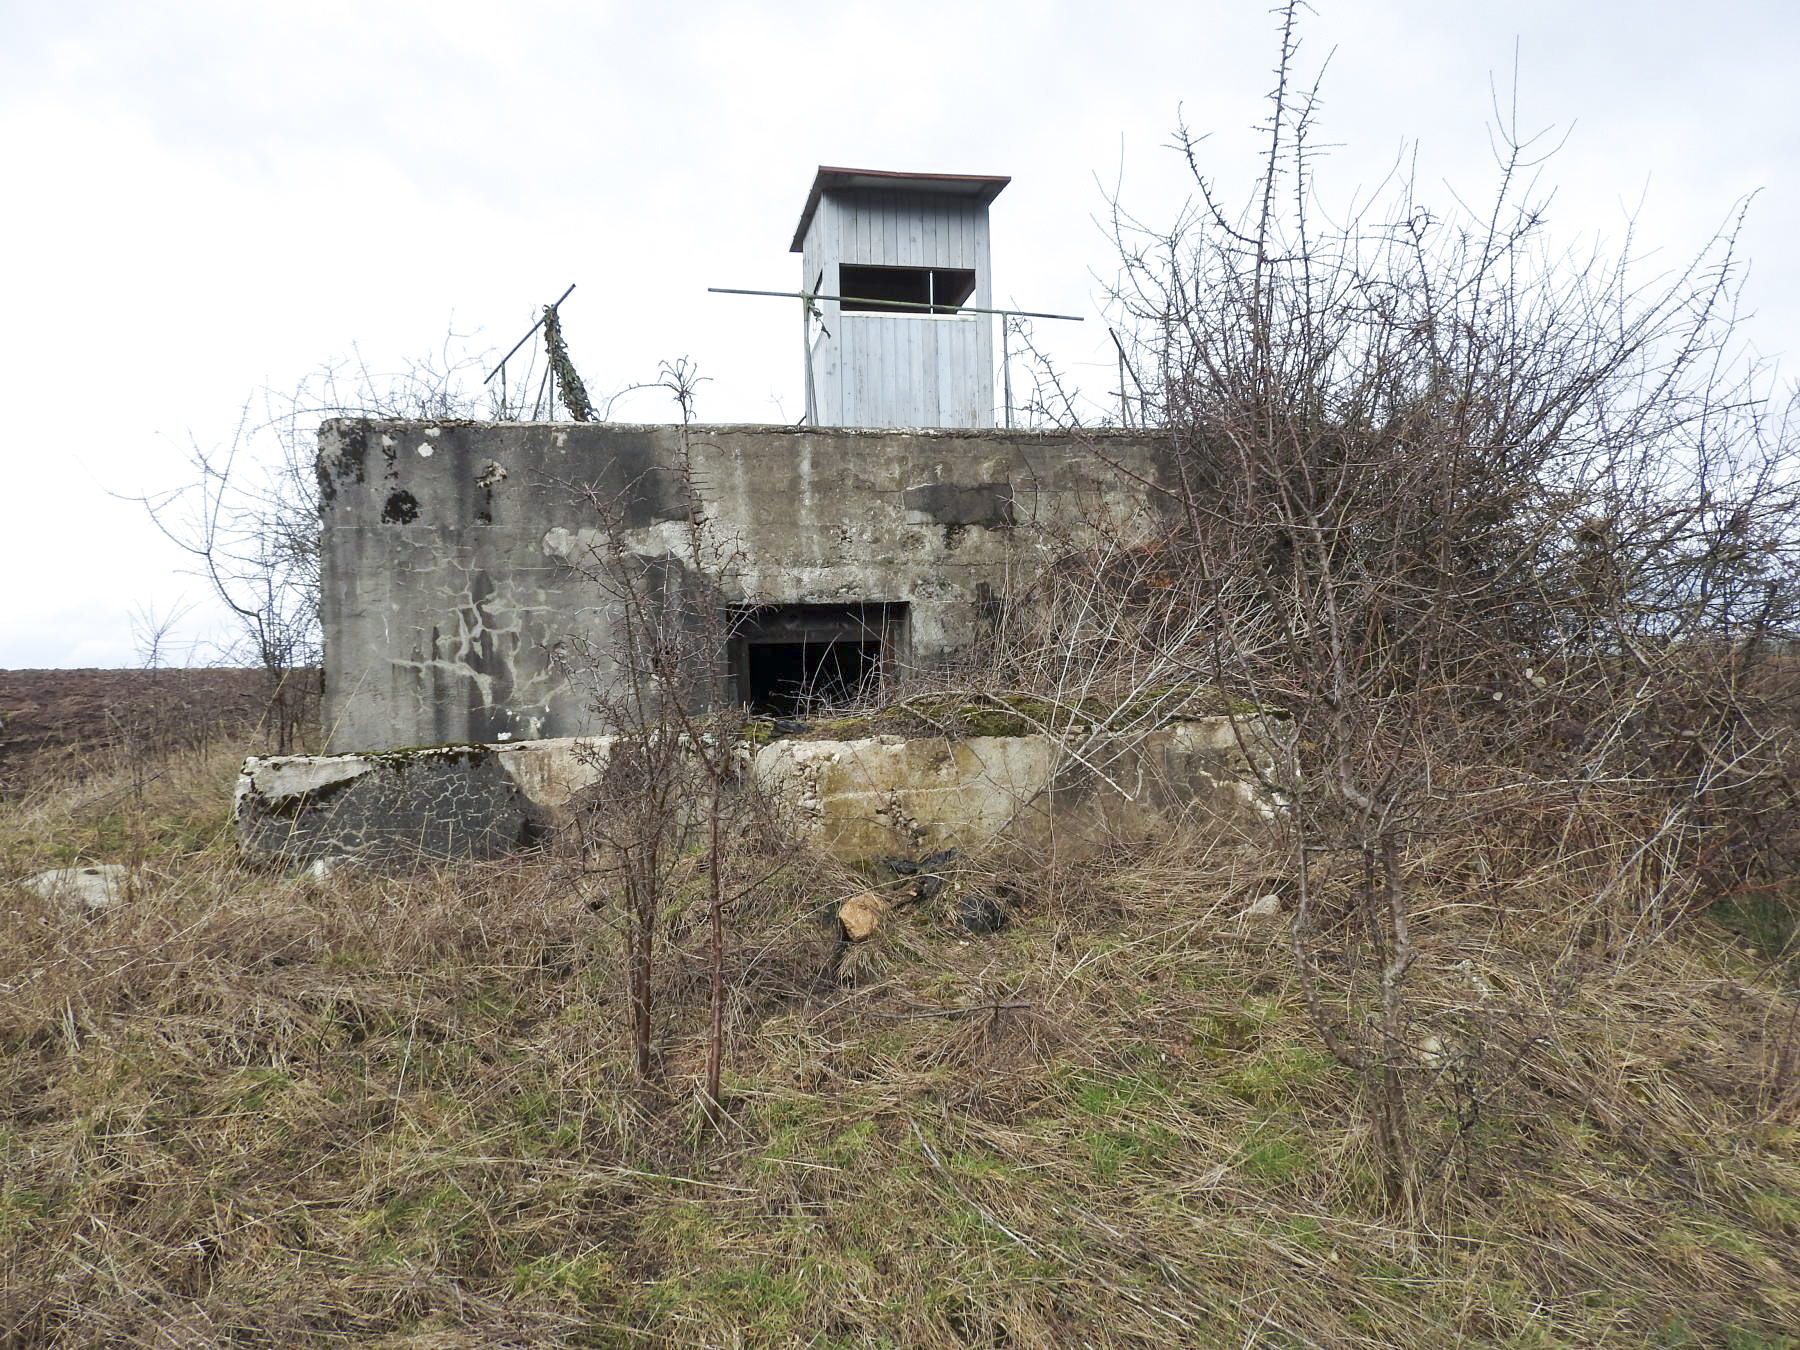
(891, 795)
(853, 799)
(446, 802)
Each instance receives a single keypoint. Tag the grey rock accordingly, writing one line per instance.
(86, 890)
(1263, 908)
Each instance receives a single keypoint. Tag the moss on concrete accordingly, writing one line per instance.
(957, 717)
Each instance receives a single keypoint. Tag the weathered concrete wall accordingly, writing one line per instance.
(893, 796)
(875, 797)
(456, 555)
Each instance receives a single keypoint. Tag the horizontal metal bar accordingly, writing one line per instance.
(903, 304)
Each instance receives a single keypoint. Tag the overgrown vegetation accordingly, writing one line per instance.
(668, 802)
(1513, 538)
(248, 1109)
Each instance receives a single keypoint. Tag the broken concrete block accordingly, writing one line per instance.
(888, 795)
(445, 802)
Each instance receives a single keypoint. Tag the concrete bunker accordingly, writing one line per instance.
(466, 604)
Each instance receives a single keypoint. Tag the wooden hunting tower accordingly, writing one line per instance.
(899, 259)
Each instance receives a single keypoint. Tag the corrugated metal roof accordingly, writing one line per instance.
(983, 187)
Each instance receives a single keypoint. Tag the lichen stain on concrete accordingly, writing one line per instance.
(477, 661)
(401, 508)
(343, 448)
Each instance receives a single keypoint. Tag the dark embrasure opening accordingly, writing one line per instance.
(791, 660)
(789, 679)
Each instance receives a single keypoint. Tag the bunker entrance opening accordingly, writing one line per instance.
(792, 660)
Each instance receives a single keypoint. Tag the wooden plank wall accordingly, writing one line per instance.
(891, 370)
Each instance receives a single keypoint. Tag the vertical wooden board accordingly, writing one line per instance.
(895, 371)
(875, 371)
(896, 381)
(868, 230)
(831, 247)
(983, 264)
(810, 262)
(953, 388)
(899, 382)
(867, 356)
(868, 368)
(968, 413)
(840, 405)
(890, 229)
(913, 252)
(856, 364)
(920, 405)
(943, 396)
(831, 411)
(934, 365)
(809, 258)
(980, 375)
(947, 252)
(981, 370)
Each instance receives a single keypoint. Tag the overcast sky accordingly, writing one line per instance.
(206, 199)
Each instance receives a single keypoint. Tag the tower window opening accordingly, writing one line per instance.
(904, 290)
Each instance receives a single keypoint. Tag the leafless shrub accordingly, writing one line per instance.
(669, 811)
(249, 515)
(1510, 535)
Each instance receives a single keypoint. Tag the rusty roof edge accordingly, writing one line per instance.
(983, 187)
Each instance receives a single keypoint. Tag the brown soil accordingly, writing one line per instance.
(58, 716)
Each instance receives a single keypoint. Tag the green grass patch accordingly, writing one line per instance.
(1769, 924)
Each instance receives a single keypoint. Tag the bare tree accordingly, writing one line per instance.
(670, 805)
(1501, 531)
(248, 516)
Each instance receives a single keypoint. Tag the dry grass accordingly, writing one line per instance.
(252, 1109)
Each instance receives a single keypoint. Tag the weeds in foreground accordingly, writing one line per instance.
(403, 1110)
